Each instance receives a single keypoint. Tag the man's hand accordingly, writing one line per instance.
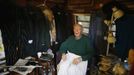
(77, 61)
(64, 57)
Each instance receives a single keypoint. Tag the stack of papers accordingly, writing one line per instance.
(20, 67)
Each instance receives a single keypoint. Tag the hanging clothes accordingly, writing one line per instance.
(10, 33)
(25, 34)
(49, 15)
(37, 31)
(3, 70)
(63, 24)
(124, 38)
(97, 31)
(2, 52)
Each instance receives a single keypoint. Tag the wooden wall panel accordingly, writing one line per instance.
(82, 6)
(85, 6)
(79, 1)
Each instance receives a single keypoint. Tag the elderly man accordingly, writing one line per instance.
(76, 52)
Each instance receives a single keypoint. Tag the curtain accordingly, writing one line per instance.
(97, 31)
(25, 32)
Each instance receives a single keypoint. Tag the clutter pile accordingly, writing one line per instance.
(109, 65)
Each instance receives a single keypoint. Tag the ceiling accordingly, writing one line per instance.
(78, 5)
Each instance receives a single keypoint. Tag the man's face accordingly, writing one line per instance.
(77, 30)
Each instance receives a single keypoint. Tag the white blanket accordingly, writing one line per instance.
(68, 68)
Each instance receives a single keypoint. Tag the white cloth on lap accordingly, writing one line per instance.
(68, 68)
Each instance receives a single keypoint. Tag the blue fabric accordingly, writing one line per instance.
(124, 35)
(97, 31)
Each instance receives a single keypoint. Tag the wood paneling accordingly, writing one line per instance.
(85, 6)
(82, 6)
